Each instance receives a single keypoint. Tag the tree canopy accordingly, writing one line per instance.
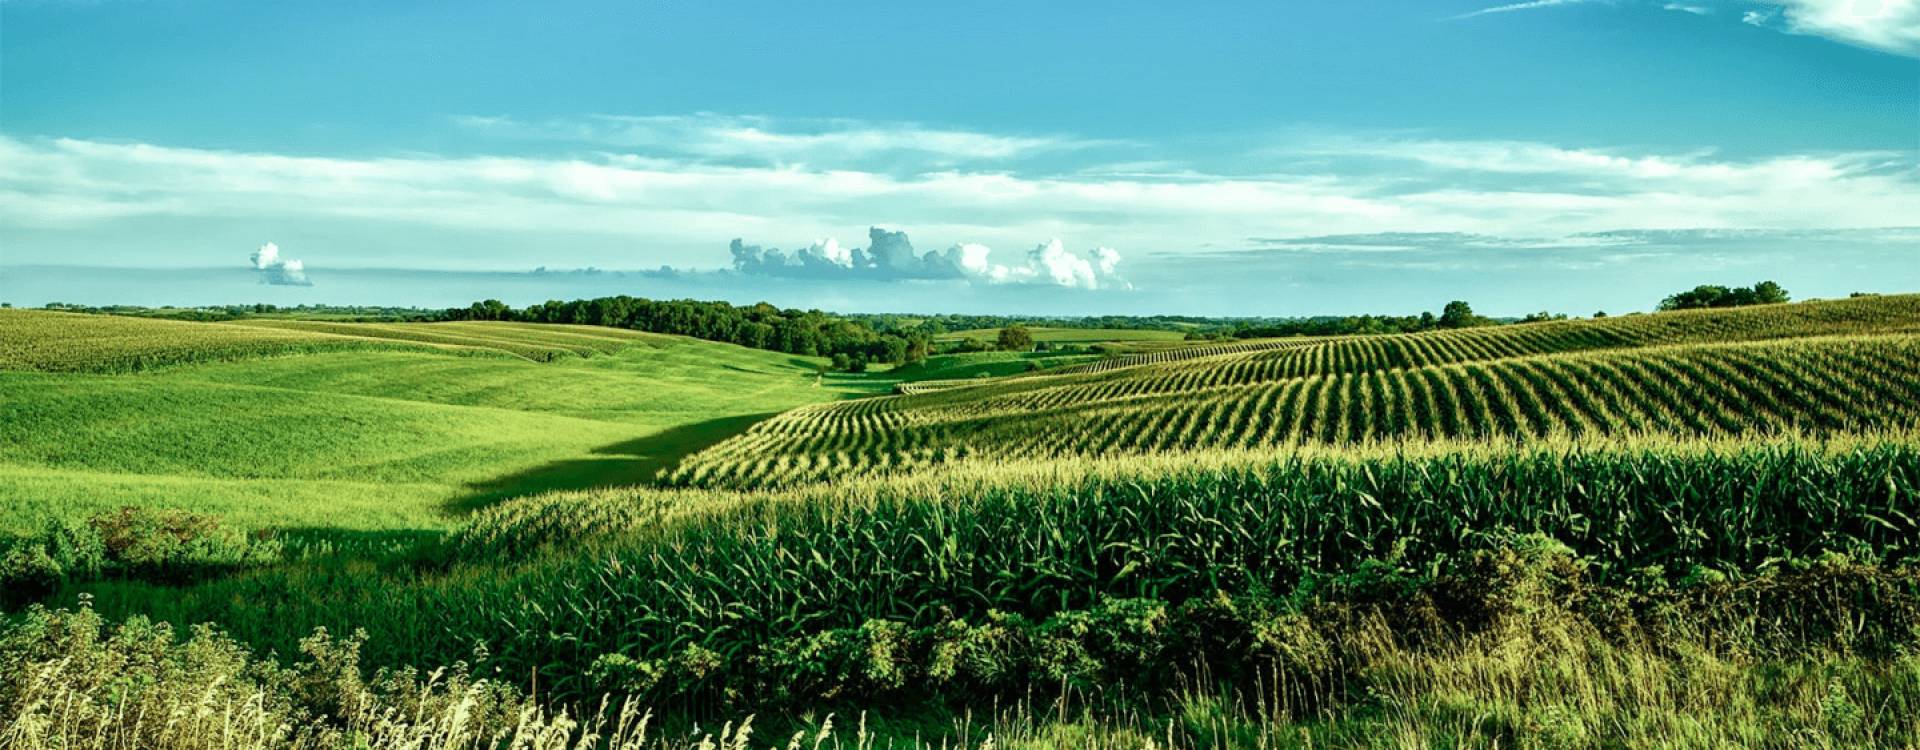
(851, 344)
(1715, 295)
(1015, 338)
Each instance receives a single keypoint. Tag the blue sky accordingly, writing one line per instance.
(1253, 158)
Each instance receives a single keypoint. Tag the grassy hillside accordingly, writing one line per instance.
(1816, 366)
(358, 426)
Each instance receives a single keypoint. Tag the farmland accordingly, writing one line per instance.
(1820, 366)
(1054, 335)
(1691, 528)
(357, 426)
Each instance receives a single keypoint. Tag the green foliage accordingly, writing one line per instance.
(1714, 295)
(760, 326)
(1249, 669)
(1014, 338)
(168, 546)
(1458, 314)
(644, 576)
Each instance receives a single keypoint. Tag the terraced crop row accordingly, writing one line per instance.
(74, 342)
(1276, 360)
(1319, 396)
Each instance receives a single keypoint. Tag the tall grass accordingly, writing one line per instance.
(1540, 672)
(678, 578)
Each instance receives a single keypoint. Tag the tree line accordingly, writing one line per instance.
(851, 344)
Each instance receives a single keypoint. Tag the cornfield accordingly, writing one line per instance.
(647, 575)
(1811, 367)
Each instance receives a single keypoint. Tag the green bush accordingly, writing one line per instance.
(160, 546)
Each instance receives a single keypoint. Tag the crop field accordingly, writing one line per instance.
(1694, 529)
(1829, 366)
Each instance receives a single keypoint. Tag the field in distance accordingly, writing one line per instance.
(1815, 366)
(1056, 335)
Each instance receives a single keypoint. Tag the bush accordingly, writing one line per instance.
(155, 545)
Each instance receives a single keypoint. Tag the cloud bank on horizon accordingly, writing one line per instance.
(890, 256)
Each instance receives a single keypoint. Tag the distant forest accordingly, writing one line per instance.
(853, 341)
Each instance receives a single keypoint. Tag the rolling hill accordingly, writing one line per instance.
(296, 424)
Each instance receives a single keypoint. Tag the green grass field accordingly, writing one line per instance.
(1687, 529)
(357, 426)
(1054, 335)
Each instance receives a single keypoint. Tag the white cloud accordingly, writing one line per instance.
(1886, 25)
(675, 212)
(1891, 26)
(890, 256)
(277, 270)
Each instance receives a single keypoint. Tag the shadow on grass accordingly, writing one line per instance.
(617, 465)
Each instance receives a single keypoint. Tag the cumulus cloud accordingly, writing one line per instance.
(277, 270)
(890, 256)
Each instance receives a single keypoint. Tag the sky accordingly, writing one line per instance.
(1225, 158)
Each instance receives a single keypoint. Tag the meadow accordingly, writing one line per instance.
(358, 426)
(1693, 529)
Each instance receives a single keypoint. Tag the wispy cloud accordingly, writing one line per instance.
(678, 210)
(1512, 7)
(787, 141)
(1698, 10)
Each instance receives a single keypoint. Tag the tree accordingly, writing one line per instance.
(1016, 338)
(1715, 295)
(491, 309)
(1459, 314)
(842, 362)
